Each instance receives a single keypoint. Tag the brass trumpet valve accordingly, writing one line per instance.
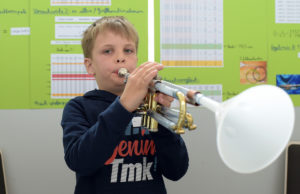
(147, 121)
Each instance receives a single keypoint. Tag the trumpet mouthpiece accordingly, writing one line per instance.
(122, 72)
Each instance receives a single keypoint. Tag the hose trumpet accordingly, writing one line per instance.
(253, 128)
(152, 113)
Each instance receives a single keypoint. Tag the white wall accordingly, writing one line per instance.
(31, 142)
(33, 154)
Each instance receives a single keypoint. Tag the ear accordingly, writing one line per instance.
(89, 67)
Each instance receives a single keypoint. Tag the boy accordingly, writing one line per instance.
(109, 152)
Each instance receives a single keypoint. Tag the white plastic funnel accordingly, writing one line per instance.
(253, 128)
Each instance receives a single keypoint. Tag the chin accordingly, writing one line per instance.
(119, 83)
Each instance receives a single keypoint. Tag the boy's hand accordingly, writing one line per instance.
(164, 99)
(137, 85)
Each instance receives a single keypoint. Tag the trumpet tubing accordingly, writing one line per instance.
(250, 133)
(152, 113)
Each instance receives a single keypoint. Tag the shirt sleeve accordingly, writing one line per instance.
(88, 147)
(172, 154)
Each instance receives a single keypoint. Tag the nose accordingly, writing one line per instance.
(120, 58)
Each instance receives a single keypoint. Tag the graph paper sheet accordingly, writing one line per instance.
(287, 11)
(80, 2)
(191, 33)
(69, 77)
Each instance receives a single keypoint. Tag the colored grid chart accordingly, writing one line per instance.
(80, 2)
(287, 11)
(191, 33)
(69, 77)
(70, 27)
(70, 31)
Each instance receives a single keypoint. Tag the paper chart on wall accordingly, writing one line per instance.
(58, 73)
(191, 33)
(218, 47)
(287, 11)
(69, 77)
(80, 2)
(216, 42)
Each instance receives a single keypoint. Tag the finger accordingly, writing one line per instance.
(149, 71)
(152, 70)
(146, 66)
(150, 65)
(165, 97)
(146, 72)
(164, 102)
(169, 98)
(150, 75)
(139, 68)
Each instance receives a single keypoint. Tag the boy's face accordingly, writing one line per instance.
(110, 53)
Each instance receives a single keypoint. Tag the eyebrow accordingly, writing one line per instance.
(129, 44)
(111, 45)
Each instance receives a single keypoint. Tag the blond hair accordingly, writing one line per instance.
(115, 24)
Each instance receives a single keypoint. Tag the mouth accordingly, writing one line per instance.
(117, 72)
(116, 75)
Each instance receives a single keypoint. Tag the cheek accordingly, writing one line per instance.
(105, 70)
(102, 65)
(133, 64)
